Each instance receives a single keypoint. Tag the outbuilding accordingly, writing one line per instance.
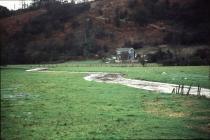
(125, 54)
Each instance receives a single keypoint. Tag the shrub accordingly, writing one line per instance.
(142, 16)
(132, 3)
(4, 12)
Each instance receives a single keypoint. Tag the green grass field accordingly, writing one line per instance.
(190, 75)
(62, 105)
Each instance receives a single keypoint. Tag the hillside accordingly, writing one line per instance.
(60, 32)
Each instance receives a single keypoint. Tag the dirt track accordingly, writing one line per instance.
(141, 84)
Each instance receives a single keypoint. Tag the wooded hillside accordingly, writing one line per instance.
(59, 31)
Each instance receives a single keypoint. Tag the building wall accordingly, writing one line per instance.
(126, 55)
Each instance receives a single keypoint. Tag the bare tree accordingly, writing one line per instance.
(23, 3)
(72, 1)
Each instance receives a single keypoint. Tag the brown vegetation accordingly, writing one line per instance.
(95, 29)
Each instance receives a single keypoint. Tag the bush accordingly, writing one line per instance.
(4, 12)
(142, 17)
(160, 56)
(196, 61)
(203, 55)
(117, 17)
(132, 3)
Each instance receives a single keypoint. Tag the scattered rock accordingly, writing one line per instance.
(163, 73)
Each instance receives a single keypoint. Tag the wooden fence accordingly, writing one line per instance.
(180, 90)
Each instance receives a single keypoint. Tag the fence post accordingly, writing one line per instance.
(188, 92)
(173, 91)
(199, 90)
(178, 89)
(182, 89)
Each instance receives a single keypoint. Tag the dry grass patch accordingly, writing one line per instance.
(159, 108)
(204, 128)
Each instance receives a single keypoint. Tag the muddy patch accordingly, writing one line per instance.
(109, 77)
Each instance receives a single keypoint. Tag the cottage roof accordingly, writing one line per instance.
(123, 49)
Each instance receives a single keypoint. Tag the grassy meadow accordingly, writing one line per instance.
(62, 105)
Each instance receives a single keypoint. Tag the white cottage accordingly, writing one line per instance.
(125, 54)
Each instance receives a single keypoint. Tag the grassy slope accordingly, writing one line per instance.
(64, 106)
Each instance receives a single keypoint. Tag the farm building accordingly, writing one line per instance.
(125, 54)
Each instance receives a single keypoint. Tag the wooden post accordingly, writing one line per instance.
(173, 91)
(182, 89)
(188, 92)
(199, 90)
(179, 89)
(176, 89)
